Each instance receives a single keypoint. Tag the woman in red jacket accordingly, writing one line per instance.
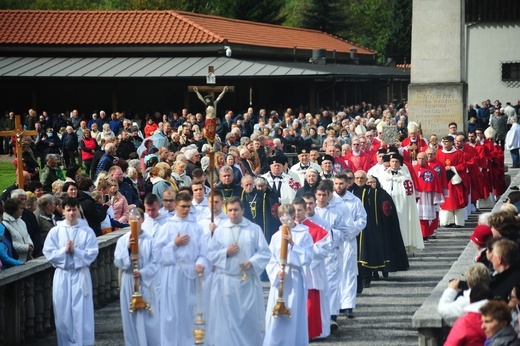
(88, 147)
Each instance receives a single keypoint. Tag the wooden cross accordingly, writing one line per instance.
(211, 89)
(18, 133)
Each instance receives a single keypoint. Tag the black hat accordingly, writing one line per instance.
(386, 158)
(325, 158)
(277, 159)
(303, 151)
(381, 151)
(398, 157)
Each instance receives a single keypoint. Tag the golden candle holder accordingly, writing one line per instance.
(280, 308)
(199, 332)
(137, 301)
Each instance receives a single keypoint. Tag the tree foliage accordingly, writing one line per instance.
(399, 43)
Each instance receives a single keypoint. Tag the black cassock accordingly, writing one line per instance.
(262, 209)
(380, 244)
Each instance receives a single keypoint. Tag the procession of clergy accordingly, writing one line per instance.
(350, 217)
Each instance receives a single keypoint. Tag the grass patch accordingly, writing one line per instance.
(7, 175)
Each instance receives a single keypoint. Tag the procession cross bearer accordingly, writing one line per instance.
(18, 133)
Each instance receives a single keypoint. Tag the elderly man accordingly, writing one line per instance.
(258, 207)
(51, 172)
(357, 158)
(281, 183)
(69, 143)
(107, 160)
(507, 271)
(327, 167)
(399, 184)
(452, 212)
(125, 188)
(303, 165)
(193, 157)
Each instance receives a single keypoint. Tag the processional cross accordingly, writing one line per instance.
(18, 132)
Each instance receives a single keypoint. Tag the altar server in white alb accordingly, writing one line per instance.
(284, 330)
(71, 246)
(358, 217)
(209, 227)
(180, 250)
(141, 327)
(239, 252)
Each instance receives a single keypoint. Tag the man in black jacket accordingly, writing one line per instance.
(507, 272)
(91, 211)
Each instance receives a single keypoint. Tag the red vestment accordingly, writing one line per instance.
(457, 194)
(313, 299)
(361, 161)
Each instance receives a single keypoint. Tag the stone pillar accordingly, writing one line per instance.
(47, 300)
(29, 309)
(94, 275)
(437, 93)
(38, 305)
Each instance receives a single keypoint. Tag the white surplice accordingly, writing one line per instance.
(140, 327)
(283, 330)
(237, 306)
(72, 284)
(179, 281)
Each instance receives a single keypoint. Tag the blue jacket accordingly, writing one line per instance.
(6, 252)
(130, 194)
(104, 164)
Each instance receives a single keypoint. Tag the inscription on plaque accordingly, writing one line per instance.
(435, 107)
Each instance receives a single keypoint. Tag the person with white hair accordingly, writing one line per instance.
(193, 157)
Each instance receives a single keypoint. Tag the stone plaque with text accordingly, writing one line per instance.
(434, 106)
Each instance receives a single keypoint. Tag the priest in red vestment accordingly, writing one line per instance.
(452, 212)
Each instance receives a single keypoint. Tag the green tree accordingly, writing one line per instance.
(324, 15)
(368, 24)
(399, 43)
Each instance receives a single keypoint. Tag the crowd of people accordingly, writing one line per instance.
(355, 206)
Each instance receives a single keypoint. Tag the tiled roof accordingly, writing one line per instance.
(26, 27)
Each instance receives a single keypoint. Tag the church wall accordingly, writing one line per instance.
(489, 45)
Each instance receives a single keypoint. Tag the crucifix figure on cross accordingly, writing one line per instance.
(18, 133)
(210, 124)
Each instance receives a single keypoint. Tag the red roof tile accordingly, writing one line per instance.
(155, 28)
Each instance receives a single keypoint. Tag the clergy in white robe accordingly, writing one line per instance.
(180, 249)
(141, 327)
(239, 252)
(399, 184)
(71, 246)
(283, 330)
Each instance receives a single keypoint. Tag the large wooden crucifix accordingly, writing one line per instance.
(18, 133)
